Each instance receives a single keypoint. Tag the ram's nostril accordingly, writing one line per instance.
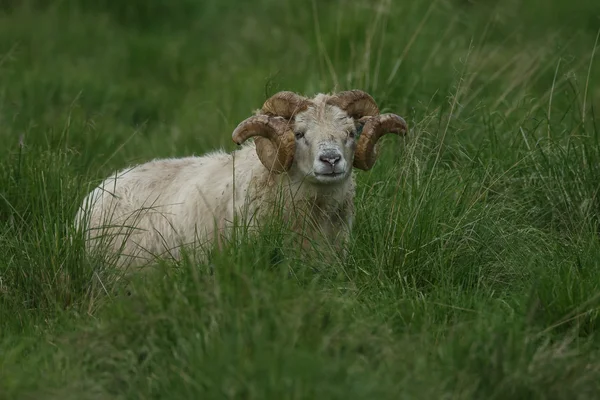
(330, 157)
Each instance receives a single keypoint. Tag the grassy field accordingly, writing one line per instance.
(474, 270)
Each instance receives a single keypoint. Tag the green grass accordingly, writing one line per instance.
(475, 261)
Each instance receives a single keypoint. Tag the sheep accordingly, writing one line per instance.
(302, 154)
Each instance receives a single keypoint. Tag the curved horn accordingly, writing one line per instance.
(285, 104)
(275, 144)
(356, 103)
(375, 127)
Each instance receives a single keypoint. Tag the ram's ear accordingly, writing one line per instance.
(359, 123)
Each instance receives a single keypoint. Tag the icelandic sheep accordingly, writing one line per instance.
(302, 153)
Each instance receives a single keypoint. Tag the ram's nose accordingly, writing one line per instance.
(331, 157)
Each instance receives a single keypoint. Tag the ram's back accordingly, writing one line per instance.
(153, 208)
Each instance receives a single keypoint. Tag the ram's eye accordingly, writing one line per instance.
(351, 134)
(299, 134)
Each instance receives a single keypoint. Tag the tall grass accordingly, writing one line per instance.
(473, 265)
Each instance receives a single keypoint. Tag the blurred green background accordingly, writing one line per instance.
(475, 261)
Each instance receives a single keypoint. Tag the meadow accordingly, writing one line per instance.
(474, 267)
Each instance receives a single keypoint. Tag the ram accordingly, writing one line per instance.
(301, 158)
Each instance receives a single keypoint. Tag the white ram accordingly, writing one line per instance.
(302, 155)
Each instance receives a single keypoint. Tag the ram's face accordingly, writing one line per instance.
(325, 144)
(314, 139)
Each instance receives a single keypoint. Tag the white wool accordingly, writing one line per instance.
(153, 208)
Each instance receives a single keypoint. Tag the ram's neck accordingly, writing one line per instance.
(326, 205)
(317, 211)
